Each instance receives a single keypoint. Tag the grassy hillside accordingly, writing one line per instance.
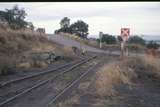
(15, 44)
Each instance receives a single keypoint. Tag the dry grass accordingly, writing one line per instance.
(12, 41)
(68, 103)
(77, 38)
(136, 48)
(126, 71)
(68, 51)
(15, 43)
(71, 36)
(111, 75)
(39, 47)
(111, 47)
(6, 63)
(31, 64)
(149, 65)
(154, 66)
(84, 86)
(131, 47)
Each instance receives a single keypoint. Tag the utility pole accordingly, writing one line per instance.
(100, 38)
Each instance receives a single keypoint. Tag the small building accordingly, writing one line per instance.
(41, 30)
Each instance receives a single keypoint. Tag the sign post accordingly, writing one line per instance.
(122, 48)
(125, 32)
(100, 38)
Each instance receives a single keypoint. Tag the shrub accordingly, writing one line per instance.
(153, 45)
(108, 39)
(119, 38)
(136, 40)
(68, 51)
(136, 47)
(6, 65)
(4, 69)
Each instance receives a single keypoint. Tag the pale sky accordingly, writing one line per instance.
(108, 17)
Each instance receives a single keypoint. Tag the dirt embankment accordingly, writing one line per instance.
(16, 47)
(132, 82)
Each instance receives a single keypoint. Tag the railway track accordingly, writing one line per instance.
(3, 84)
(68, 88)
(64, 69)
(15, 86)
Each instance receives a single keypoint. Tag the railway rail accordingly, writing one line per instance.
(16, 86)
(68, 87)
(3, 84)
(74, 65)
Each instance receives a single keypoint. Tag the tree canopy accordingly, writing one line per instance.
(65, 22)
(136, 40)
(153, 45)
(108, 39)
(15, 17)
(80, 28)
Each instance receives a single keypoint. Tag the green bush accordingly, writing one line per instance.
(4, 69)
(153, 45)
(108, 39)
(6, 65)
(136, 40)
(119, 38)
(136, 47)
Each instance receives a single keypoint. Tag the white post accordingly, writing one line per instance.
(100, 38)
(100, 44)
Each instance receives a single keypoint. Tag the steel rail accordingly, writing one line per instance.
(34, 75)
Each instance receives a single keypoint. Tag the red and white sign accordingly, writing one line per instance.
(125, 32)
